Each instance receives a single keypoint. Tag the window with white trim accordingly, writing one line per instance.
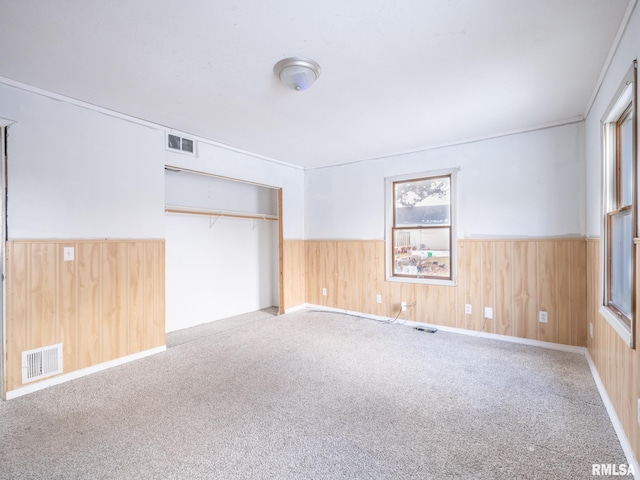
(619, 206)
(420, 237)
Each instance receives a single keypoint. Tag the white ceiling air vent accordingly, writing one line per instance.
(176, 143)
(41, 363)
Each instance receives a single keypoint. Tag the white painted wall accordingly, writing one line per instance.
(217, 267)
(218, 272)
(201, 191)
(76, 173)
(627, 51)
(525, 185)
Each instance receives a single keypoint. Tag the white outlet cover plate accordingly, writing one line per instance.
(68, 254)
(543, 317)
(467, 308)
(488, 312)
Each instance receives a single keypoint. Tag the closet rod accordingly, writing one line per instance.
(220, 213)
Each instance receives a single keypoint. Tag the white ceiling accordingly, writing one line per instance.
(397, 75)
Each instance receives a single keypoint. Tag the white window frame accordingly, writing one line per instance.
(389, 258)
(625, 94)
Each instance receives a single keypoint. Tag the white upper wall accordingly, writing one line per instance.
(78, 173)
(524, 185)
(627, 51)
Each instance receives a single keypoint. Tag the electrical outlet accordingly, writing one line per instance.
(378, 298)
(324, 292)
(68, 254)
(543, 316)
(403, 306)
(467, 308)
(591, 329)
(488, 312)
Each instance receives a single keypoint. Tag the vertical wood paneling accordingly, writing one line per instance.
(89, 260)
(17, 314)
(618, 365)
(461, 317)
(516, 278)
(547, 290)
(42, 321)
(67, 306)
(488, 282)
(294, 273)
(524, 290)
(115, 331)
(106, 303)
(471, 281)
(136, 296)
(154, 335)
(503, 310)
(578, 294)
(565, 284)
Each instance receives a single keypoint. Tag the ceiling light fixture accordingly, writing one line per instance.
(297, 73)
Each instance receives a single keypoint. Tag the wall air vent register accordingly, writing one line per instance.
(175, 143)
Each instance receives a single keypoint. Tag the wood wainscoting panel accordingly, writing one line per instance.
(618, 365)
(154, 287)
(524, 290)
(503, 287)
(547, 263)
(114, 294)
(68, 307)
(294, 273)
(516, 278)
(89, 304)
(106, 303)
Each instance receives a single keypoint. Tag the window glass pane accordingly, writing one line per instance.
(626, 161)
(621, 271)
(422, 252)
(423, 202)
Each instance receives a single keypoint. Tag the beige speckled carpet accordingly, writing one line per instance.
(313, 395)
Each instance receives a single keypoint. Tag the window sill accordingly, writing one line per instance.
(617, 325)
(422, 281)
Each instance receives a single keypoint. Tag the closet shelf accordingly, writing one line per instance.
(218, 213)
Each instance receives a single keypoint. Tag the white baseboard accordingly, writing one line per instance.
(461, 331)
(613, 416)
(81, 373)
(296, 308)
